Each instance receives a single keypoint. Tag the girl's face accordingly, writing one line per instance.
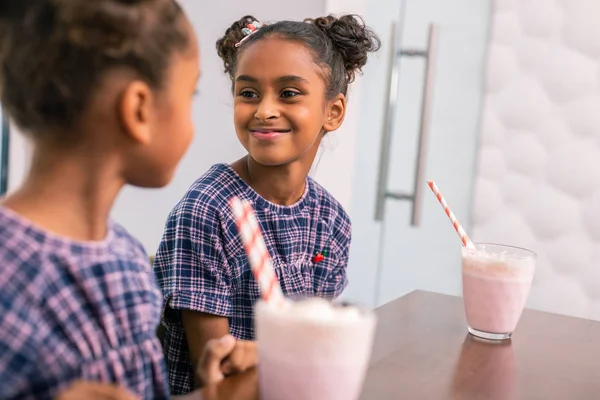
(280, 109)
(167, 129)
(174, 122)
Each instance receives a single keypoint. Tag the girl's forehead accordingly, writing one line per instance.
(275, 57)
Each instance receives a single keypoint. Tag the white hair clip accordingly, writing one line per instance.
(249, 30)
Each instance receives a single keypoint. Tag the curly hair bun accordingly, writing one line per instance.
(352, 38)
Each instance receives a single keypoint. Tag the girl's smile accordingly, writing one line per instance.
(269, 133)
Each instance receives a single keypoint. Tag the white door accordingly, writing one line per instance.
(391, 255)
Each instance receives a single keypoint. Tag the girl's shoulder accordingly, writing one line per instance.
(220, 180)
(34, 261)
(330, 209)
(20, 267)
(209, 195)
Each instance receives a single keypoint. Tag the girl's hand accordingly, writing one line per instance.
(225, 356)
(243, 357)
(95, 391)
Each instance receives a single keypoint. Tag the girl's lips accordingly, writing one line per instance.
(268, 134)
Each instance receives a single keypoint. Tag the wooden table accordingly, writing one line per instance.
(422, 351)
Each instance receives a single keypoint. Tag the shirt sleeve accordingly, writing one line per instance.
(190, 265)
(337, 280)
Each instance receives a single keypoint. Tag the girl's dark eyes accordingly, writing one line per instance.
(248, 94)
(286, 94)
(289, 93)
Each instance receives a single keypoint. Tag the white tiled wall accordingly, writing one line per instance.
(538, 183)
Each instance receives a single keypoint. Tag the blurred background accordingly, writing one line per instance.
(497, 101)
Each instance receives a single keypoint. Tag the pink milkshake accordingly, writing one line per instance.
(313, 349)
(496, 282)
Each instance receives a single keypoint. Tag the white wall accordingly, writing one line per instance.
(539, 171)
(18, 158)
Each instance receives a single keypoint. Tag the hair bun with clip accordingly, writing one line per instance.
(249, 30)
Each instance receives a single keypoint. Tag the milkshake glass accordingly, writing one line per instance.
(496, 281)
(313, 349)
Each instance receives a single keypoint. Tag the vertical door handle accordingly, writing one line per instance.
(429, 54)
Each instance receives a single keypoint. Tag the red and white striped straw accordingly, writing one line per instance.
(459, 229)
(260, 261)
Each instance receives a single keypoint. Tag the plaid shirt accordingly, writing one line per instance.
(201, 264)
(76, 310)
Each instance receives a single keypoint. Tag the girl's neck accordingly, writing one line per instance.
(69, 192)
(283, 185)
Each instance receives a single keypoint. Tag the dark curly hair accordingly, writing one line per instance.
(54, 52)
(340, 46)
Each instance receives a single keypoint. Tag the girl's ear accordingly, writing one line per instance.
(336, 111)
(134, 111)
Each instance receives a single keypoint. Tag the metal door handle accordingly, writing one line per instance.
(429, 54)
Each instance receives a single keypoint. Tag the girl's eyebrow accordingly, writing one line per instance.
(282, 79)
(291, 78)
(246, 78)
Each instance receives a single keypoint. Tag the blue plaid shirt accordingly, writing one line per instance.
(201, 264)
(76, 310)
